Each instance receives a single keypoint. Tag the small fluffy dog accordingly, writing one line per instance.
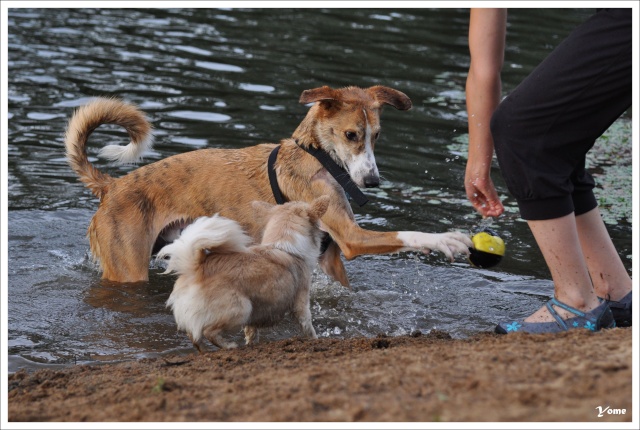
(224, 284)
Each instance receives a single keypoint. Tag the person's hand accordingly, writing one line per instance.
(482, 193)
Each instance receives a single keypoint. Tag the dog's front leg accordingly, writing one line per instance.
(354, 240)
(332, 265)
(303, 314)
(196, 343)
(307, 326)
(251, 335)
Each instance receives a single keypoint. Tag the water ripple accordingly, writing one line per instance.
(250, 67)
(219, 66)
(256, 88)
(200, 116)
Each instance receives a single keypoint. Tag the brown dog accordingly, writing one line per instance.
(154, 200)
(225, 285)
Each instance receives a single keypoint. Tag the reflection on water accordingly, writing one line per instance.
(232, 78)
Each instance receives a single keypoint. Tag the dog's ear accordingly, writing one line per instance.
(261, 209)
(318, 94)
(319, 207)
(389, 96)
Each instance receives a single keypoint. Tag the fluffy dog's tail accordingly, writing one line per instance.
(89, 117)
(214, 234)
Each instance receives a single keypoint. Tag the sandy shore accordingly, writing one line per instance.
(421, 378)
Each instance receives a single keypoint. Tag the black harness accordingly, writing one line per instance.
(338, 173)
(273, 179)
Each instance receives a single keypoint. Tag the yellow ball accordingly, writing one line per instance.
(489, 249)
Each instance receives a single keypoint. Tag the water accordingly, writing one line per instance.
(231, 78)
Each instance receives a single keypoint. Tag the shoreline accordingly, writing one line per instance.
(419, 378)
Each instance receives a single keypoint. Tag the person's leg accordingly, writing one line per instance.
(542, 132)
(560, 244)
(584, 265)
(608, 274)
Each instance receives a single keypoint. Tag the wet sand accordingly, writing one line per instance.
(418, 378)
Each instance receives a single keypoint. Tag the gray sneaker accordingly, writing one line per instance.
(622, 310)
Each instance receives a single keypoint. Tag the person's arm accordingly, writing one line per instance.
(487, 31)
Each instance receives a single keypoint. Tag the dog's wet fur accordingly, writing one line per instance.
(145, 209)
(225, 284)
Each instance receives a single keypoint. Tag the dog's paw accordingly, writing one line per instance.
(307, 328)
(311, 333)
(228, 345)
(454, 243)
(450, 244)
(250, 335)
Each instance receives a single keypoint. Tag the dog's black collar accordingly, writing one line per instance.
(338, 173)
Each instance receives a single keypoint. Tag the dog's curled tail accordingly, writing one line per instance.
(89, 117)
(214, 234)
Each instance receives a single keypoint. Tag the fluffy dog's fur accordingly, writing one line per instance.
(153, 200)
(225, 285)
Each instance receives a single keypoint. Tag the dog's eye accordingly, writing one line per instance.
(376, 136)
(352, 136)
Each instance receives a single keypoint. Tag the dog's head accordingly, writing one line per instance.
(346, 124)
(293, 222)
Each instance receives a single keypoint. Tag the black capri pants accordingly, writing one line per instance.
(543, 130)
